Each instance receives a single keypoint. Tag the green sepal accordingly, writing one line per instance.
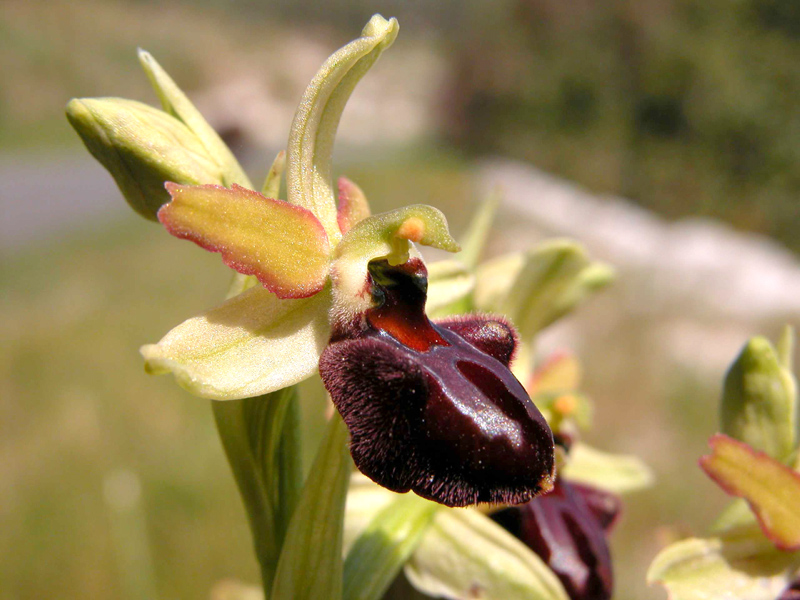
(740, 564)
(539, 287)
(310, 565)
(142, 148)
(380, 552)
(309, 152)
(252, 344)
(616, 473)
(463, 550)
(177, 104)
(759, 403)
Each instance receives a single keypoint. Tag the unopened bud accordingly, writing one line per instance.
(142, 148)
(759, 401)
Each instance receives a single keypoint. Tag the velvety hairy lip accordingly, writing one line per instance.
(433, 407)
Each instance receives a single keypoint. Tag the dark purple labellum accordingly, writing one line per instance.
(566, 527)
(792, 592)
(434, 408)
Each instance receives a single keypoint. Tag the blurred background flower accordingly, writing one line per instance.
(113, 485)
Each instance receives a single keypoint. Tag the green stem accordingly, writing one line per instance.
(310, 565)
(261, 440)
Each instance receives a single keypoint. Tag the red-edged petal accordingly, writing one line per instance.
(283, 245)
(771, 488)
(353, 205)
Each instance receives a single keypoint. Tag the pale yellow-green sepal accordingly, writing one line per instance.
(616, 473)
(283, 245)
(739, 565)
(176, 103)
(310, 148)
(251, 345)
(463, 551)
(141, 147)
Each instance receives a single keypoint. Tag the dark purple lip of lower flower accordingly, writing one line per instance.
(434, 408)
(792, 592)
(568, 534)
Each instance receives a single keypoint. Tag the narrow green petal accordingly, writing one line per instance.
(383, 548)
(741, 565)
(251, 345)
(310, 565)
(176, 103)
(308, 176)
(283, 245)
(771, 488)
(464, 554)
(617, 473)
(142, 148)
(387, 235)
(450, 284)
(272, 182)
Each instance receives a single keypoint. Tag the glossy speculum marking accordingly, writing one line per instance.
(433, 407)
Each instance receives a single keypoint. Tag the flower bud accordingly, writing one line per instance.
(142, 148)
(759, 401)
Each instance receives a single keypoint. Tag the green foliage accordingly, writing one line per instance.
(688, 107)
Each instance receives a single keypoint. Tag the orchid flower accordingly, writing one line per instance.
(755, 550)
(430, 407)
(531, 550)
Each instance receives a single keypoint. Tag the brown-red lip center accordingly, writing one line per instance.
(401, 312)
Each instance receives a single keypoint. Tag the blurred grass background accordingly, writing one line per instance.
(684, 106)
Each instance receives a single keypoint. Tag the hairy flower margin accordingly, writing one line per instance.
(346, 286)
